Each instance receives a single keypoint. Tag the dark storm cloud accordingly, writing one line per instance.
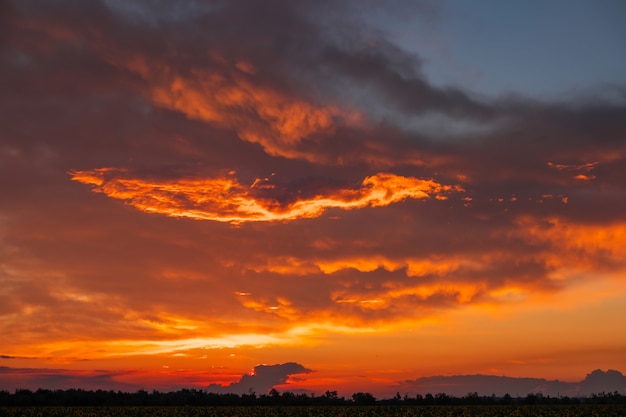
(74, 55)
(262, 379)
(286, 50)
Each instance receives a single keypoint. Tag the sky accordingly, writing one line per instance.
(311, 195)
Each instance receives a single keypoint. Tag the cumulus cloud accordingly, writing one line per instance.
(262, 379)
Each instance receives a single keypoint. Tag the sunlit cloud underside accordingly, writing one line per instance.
(224, 199)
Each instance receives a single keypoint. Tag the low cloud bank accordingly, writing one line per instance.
(60, 379)
(459, 385)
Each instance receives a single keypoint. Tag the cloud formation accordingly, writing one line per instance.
(352, 202)
(262, 379)
(595, 382)
(224, 199)
(57, 379)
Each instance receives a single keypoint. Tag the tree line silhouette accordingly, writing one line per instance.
(198, 397)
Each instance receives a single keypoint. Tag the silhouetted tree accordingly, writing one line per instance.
(363, 398)
(79, 397)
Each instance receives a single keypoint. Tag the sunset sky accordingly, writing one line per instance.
(363, 195)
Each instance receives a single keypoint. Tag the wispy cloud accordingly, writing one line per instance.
(224, 199)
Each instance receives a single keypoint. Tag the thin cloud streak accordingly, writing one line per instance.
(226, 200)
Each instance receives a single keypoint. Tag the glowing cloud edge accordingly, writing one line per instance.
(224, 199)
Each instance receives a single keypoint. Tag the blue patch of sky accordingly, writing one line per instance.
(537, 48)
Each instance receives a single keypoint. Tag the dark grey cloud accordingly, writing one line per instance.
(262, 380)
(595, 382)
(72, 59)
(16, 357)
(53, 379)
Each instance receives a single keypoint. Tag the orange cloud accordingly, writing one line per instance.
(231, 97)
(415, 267)
(584, 177)
(583, 246)
(581, 168)
(500, 279)
(224, 199)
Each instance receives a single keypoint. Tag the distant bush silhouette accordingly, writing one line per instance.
(198, 397)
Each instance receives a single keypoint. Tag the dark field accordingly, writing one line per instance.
(323, 411)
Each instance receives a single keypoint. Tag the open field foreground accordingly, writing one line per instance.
(323, 411)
